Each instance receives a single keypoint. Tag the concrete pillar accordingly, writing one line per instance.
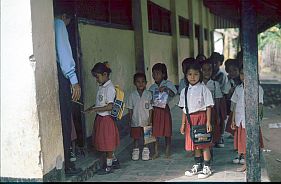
(191, 27)
(31, 137)
(250, 63)
(176, 37)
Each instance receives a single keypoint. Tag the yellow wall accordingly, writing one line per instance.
(99, 44)
(182, 6)
(160, 51)
(183, 53)
(162, 3)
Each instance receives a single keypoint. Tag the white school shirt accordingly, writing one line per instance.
(221, 77)
(215, 89)
(105, 95)
(238, 99)
(199, 97)
(182, 85)
(140, 106)
(166, 83)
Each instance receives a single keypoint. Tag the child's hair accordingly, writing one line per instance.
(195, 66)
(231, 62)
(200, 57)
(186, 62)
(162, 68)
(139, 75)
(101, 68)
(207, 61)
(63, 7)
(215, 56)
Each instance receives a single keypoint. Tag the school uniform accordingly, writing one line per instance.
(162, 119)
(232, 83)
(221, 77)
(141, 105)
(238, 99)
(215, 90)
(105, 132)
(199, 98)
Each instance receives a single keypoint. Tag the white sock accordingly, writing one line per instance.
(109, 162)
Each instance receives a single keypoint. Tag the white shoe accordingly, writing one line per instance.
(242, 160)
(195, 170)
(206, 172)
(135, 154)
(236, 160)
(145, 153)
(72, 157)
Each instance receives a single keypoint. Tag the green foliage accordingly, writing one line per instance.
(270, 36)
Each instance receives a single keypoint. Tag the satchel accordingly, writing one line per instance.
(198, 133)
(147, 134)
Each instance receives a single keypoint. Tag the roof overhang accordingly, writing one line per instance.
(268, 11)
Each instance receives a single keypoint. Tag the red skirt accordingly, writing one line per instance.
(216, 126)
(241, 136)
(162, 122)
(197, 118)
(136, 132)
(105, 136)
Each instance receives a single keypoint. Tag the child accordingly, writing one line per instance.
(184, 65)
(140, 113)
(200, 57)
(162, 120)
(215, 89)
(199, 103)
(220, 76)
(105, 133)
(238, 118)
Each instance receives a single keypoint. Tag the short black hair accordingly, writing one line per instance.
(215, 56)
(186, 62)
(101, 68)
(161, 67)
(63, 7)
(139, 75)
(196, 66)
(231, 62)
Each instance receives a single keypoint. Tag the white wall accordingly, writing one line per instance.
(20, 140)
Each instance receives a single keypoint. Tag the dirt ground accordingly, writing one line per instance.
(272, 142)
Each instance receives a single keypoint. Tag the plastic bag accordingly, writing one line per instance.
(147, 134)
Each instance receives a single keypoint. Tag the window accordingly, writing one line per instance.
(184, 26)
(206, 34)
(108, 12)
(159, 19)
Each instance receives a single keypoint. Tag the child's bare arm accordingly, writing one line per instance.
(209, 127)
(183, 121)
(108, 107)
(232, 108)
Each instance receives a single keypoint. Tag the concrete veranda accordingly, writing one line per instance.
(172, 170)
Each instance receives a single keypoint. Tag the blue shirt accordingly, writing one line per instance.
(64, 52)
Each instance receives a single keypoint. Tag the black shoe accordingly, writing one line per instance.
(71, 171)
(107, 170)
(116, 164)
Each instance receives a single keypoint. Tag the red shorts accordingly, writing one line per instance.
(136, 132)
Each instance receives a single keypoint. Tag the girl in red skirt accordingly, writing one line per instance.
(199, 103)
(161, 120)
(238, 118)
(105, 136)
(140, 114)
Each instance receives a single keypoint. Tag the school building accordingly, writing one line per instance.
(132, 35)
